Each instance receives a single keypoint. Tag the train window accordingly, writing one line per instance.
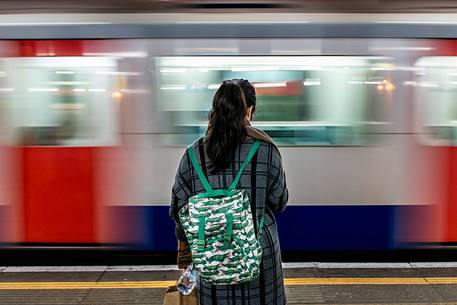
(436, 97)
(68, 101)
(301, 100)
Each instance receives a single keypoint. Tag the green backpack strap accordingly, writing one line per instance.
(201, 175)
(201, 234)
(260, 228)
(251, 153)
(198, 169)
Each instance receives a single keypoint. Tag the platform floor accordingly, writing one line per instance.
(306, 283)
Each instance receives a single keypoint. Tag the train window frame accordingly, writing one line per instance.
(19, 96)
(424, 136)
(388, 65)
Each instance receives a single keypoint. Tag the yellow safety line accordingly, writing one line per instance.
(442, 280)
(288, 282)
(355, 281)
(86, 285)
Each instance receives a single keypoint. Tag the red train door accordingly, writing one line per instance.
(435, 95)
(61, 124)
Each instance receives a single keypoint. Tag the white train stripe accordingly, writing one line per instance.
(363, 265)
(435, 265)
(299, 265)
(15, 269)
(128, 268)
(143, 268)
(140, 268)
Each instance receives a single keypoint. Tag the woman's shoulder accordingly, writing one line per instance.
(197, 143)
(258, 134)
(252, 135)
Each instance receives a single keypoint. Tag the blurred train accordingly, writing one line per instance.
(95, 113)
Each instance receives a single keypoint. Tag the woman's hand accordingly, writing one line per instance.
(184, 255)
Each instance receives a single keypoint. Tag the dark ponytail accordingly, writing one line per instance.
(249, 93)
(227, 126)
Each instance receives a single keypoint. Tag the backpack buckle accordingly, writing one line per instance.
(200, 245)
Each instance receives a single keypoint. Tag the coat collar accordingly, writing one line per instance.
(257, 133)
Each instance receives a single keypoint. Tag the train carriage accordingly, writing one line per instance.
(95, 116)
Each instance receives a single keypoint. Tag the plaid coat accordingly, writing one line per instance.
(264, 181)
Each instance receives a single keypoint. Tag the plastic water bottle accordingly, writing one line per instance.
(186, 283)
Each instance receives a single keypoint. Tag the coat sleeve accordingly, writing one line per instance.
(180, 193)
(277, 193)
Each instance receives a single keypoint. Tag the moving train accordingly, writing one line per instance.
(96, 111)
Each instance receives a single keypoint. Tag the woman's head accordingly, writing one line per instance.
(249, 94)
(227, 125)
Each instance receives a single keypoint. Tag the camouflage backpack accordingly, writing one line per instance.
(220, 230)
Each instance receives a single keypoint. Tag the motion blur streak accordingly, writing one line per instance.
(91, 132)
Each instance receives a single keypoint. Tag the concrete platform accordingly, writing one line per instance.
(306, 283)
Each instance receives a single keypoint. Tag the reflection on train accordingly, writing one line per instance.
(60, 101)
(92, 130)
(302, 100)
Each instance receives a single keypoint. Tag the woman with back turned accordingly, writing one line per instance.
(220, 155)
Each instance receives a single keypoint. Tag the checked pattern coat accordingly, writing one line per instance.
(265, 183)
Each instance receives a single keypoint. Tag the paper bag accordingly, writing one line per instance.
(173, 297)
